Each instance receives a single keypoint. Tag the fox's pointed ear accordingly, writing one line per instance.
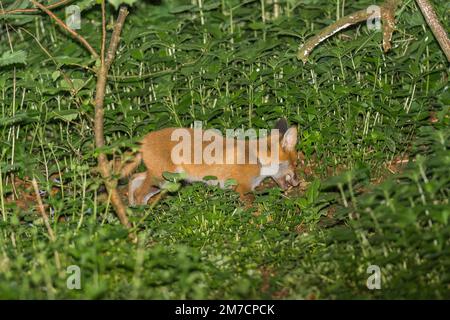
(282, 126)
(289, 140)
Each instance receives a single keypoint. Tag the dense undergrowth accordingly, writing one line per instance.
(362, 115)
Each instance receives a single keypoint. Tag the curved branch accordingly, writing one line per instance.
(343, 23)
(386, 14)
(31, 10)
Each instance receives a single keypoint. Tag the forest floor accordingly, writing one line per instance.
(373, 130)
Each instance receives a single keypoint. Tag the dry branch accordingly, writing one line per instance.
(387, 16)
(46, 221)
(102, 75)
(32, 10)
(435, 26)
(42, 210)
(388, 19)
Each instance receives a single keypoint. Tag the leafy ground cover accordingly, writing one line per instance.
(374, 131)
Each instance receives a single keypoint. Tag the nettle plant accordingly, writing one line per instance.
(102, 54)
(102, 58)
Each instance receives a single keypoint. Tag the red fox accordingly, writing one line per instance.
(275, 156)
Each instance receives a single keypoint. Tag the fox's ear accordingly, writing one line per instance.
(282, 126)
(289, 139)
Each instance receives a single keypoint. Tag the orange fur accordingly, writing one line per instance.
(156, 150)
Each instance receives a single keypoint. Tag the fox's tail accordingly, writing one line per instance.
(130, 166)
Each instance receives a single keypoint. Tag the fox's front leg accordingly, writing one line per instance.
(141, 189)
(134, 183)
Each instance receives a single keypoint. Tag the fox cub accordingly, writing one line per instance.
(248, 162)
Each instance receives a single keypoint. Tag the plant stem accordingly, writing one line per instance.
(435, 26)
(102, 76)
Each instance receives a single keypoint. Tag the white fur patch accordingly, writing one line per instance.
(270, 170)
(274, 170)
(257, 181)
(282, 169)
(149, 195)
(133, 185)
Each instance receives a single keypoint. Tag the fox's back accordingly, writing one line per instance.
(159, 150)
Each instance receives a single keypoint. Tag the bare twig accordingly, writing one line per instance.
(115, 38)
(74, 34)
(311, 43)
(276, 9)
(102, 52)
(31, 10)
(102, 75)
(388, 19)
(2, 199)
(46, 222)
(435, 26)
(387, 15)
(42, 210)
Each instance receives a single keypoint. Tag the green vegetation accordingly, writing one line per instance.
(230, 64)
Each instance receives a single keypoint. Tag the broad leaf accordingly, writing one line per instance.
(116, 3)
(9, 58)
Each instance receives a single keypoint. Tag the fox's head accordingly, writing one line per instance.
(281, 165)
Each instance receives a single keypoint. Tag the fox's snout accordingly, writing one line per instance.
(294, 181)
(287, 181)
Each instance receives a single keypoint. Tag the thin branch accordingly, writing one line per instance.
(31, 10)
(115, 38)
(46, 222)
(102, 76)
(388, 19)
(435, 26)
(102, 52)
(65, 27)
(387, 15)
(311, 43)
(42, 210)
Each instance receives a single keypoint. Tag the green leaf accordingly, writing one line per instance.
(230, 183)
(116, 3)
(313, 191)
(55, 75)
(209, 178)
(21, 4)
(137, 54)
(9, 58)
(66, 115)
(172, 186)
(257, 26)
(173, 176)
(22, 118)
(182, 8)
(86, 4)
(76, 84)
